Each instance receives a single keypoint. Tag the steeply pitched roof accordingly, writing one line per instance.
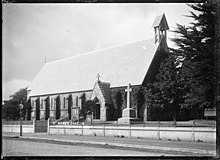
(106, 92)
(161, 21)
(157, 21)
(118, 65)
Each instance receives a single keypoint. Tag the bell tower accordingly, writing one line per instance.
(160, 28)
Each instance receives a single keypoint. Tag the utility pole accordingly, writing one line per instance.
(21, 107)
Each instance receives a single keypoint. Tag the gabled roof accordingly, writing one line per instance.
(106, 92)
(161, 21)
(101, 89)
(118, 65)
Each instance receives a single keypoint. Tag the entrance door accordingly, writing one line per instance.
(58, 107)
(38, 109)
(96, 112)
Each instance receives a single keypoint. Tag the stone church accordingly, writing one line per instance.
(62, 87)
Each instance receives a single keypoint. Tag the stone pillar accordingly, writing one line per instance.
(128, 114)
(33, 113)
(102, 112)
(62, 106)
(145, 114)
(54, 111)
(52, 108)
(48, 126)
(42, 109)
(34, 123)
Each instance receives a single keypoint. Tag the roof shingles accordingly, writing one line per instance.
(118, 65)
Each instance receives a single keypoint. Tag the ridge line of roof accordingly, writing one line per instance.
(96, 51)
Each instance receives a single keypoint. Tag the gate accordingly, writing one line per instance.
(40, 126)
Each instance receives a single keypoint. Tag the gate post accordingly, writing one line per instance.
(104, 130)
(158, 131)
(48, 126)
(130, 130)
(82, 128)
(193, 132)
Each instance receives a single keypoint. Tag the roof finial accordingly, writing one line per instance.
(98, 76)
(160, 28)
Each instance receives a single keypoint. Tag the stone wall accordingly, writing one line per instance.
(96, 93)
(162, 133)
(16, 128)
(76, 102)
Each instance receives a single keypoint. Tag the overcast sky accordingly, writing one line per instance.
(32, 32)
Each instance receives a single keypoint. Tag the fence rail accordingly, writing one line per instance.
(195, 123)
(17, 122)
(196, 134)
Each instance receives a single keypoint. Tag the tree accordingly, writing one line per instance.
(87, 108)
(138, 100)
(10, 111)
(11, 107)
(166, 91)
(186, 76)
(118, 102)
(195, 52)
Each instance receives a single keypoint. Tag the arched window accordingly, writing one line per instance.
(41, 104)
(77, 99)
(32, 104)
(82, 100)
(51, 103)
(64, 102)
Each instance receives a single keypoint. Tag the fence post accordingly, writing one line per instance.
(12, 127)
(130, 130)
(104, 129)
(158, 133)
(48, 126)
(34, 124)
(82, 128)
(193, 133)
(20, 126)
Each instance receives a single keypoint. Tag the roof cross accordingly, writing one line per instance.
(98, 76)
(128, 90)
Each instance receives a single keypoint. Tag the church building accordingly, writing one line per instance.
(62, 87)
